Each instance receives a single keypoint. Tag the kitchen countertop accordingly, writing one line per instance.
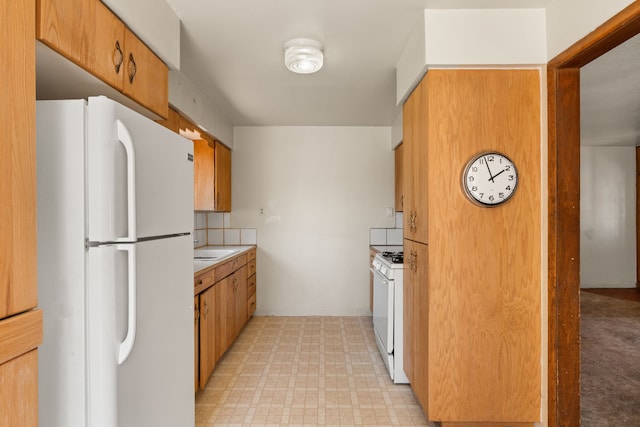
(200, 265)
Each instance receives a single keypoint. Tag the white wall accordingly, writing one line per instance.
(155, 23)
(607, 217)
(320, 189)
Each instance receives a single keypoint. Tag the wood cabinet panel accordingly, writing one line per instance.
(416, 324)
(196, 342)
(172, 122)
(19, 334)
(87, 33)
(208, 350)
(399, 171)
(203, 176)
(19, 391)
(146, 77)
(222, 178)
(18, 286)
(484, 263)
(415, 163)
(239, 280)
(472, 334)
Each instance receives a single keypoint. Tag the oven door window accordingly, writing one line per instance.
(383, 309)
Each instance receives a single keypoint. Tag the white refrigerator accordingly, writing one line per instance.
(115, 268)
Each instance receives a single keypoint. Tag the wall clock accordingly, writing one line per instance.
(489, 179)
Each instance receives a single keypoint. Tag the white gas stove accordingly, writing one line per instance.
(387, 268)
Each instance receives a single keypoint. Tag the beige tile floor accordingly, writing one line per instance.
(305, 371)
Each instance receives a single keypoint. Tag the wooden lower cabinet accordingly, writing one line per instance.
(224, 310)
(196, 342)
(207, 335)
(416, 320)
(19, 391)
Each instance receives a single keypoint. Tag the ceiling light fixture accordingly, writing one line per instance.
(303, 56)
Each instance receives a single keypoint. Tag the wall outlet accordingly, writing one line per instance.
(390, 212)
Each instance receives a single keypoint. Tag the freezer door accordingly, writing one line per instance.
(139, 176)
(140, 334)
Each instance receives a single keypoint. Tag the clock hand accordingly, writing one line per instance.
(497, 174)
(490, 174)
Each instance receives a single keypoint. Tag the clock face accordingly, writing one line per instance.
(489, 179)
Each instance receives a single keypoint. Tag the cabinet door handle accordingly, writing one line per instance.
(413, 261)
(118, 57)
(206, 310)
(133, 69)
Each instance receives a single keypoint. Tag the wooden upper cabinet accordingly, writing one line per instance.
(87, 33)
(203, 175)
(398, 153)
(146, 77)
(222, 178)
(414, 164)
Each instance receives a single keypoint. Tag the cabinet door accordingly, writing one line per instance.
(19, 391)
(241, 289)
(146, 77)
(398, 153)
(203, 176)
(196, 342)
(415, 165)
(223, 308)
(208, 325)
(222, 178)
(18, 286)
(87, 33)
(416, 320)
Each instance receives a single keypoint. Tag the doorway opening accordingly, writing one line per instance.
(563, 79)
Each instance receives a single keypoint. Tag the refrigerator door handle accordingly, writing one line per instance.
(126, 345)
(125, 139)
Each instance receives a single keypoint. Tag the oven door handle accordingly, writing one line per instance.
(380, 276)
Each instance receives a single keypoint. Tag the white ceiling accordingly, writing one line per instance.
(233, 51)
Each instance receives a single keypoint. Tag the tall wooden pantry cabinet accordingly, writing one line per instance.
(472, 273)
(20, 322)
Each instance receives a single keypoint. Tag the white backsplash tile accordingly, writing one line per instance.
(215, 220)
(231, 236)
(394, 236)
(215, 237)
(227, 220)
(199, 220)
(377, 236)
(248, 236)
(199, 238)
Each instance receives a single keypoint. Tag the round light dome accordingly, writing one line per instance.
(303, 56)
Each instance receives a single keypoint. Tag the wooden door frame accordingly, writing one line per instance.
(563, 85)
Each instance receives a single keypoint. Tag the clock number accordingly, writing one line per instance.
(501, 195)
(491, 158)
(474, 188)
(491, 198)
(510, 177)
(508, 188)
(471, 178)
(474, 169)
